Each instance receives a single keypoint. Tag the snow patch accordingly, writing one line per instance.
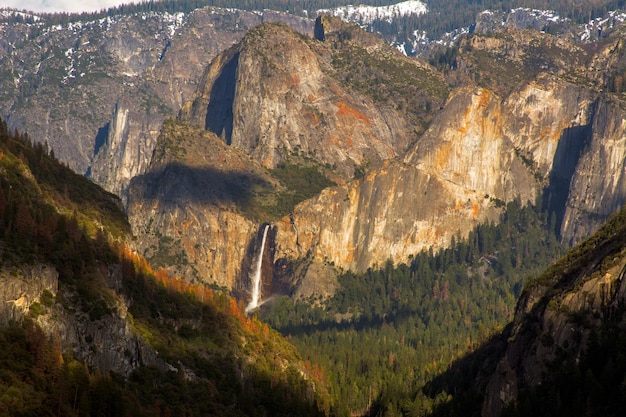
(364, 15)
(6, 13)
(547, 15)
(595, 27)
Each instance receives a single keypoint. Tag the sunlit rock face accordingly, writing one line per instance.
(443, 188)
(548, 138)
(480, 151)
(271, 99)
(276, 97)
(273, 96)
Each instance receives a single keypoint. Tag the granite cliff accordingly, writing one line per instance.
(97, 92)
(489, 144)
(272, 110)
(539, 118)
(535, 142)
(277, 95)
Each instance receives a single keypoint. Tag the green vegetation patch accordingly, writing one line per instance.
(291, 184)
(390, 79)
(301, 182)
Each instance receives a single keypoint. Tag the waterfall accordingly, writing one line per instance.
(256, 278)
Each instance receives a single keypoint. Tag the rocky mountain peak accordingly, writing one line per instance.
(276, 96)
(293, 106)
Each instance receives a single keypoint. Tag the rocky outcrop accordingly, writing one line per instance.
(169, 83)
(22, 287)
(598, 183)
(272, 97)
(278, 97)
(130, 139)
(539, 141)
(448, 184)
(108, 343)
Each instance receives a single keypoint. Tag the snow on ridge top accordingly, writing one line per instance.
(593, 29)
(549, 15)
(367, 14)
(10, 13)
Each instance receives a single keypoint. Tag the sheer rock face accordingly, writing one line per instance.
(574, 138)
(183, 210)
(207, 243)
(598, 184)
(170, 82)
(130, 141)
(479, 150)
(540, 114)
(443, 188)
(273, 96)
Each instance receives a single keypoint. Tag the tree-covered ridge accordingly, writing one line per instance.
(212, 359)
(41, 177)
(443, 17)
(389, 331)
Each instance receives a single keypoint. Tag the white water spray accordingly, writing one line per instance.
(256, 278)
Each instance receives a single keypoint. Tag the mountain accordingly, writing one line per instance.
(97, 87)
(86, 326)
(373, 173)
(353, 106)
(534, 121)
(305, 97)
(282, 102)
(534, 127)
(97, 91)
(184, 208)
(594, 129)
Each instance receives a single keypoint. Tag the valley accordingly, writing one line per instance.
(376, 210)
